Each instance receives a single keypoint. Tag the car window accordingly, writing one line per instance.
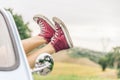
(7, 55)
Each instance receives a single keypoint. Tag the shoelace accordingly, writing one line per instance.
(55, 36)
(41, 23)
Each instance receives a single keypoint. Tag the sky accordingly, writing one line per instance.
(93, 24)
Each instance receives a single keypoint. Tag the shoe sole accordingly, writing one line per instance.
(35, 18)
(65, 31)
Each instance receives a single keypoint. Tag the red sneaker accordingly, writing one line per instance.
(47, 28)
(61, 40)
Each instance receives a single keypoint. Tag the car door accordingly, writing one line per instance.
(13, 62)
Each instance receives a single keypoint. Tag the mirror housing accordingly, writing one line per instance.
(43, 64)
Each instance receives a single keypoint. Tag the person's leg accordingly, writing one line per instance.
(33, 42)
(32, 57)
(58, 42)
(47, 32)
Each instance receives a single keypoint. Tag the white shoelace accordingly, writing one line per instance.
(42, 26)
(55, 36)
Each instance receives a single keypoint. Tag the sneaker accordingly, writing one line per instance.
(47, 28)
(61, 40)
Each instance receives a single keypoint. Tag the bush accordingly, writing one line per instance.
(22, 27)
(103, 62)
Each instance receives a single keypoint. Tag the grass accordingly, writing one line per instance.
(68, 71)
(68, 77)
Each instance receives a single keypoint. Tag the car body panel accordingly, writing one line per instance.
(21, 70)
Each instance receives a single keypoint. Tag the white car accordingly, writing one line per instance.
(13, 61)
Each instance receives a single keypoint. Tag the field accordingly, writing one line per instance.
(69, 77)
(69, 71)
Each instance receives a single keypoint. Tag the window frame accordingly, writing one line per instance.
(5, 15)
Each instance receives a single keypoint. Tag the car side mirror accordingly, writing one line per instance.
(43, 64)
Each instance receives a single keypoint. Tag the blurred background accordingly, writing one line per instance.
(95, 30)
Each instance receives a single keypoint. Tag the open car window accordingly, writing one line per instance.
(7, 54)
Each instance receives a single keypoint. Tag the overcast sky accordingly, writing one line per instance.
(93, 24)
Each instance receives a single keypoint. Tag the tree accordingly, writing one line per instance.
(110, 59)
(22, 27)
(103, 62)
(116, 56)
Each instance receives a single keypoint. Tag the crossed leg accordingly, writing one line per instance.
(57, 40)
(33, 42)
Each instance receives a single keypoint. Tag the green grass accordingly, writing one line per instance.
(67, 77)
(69, 71)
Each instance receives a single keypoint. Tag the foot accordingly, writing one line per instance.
(47, 28)
(61, 40)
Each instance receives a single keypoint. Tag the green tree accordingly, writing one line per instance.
(103, 62)
(22, 27)
(116, 56)
(111, 59)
